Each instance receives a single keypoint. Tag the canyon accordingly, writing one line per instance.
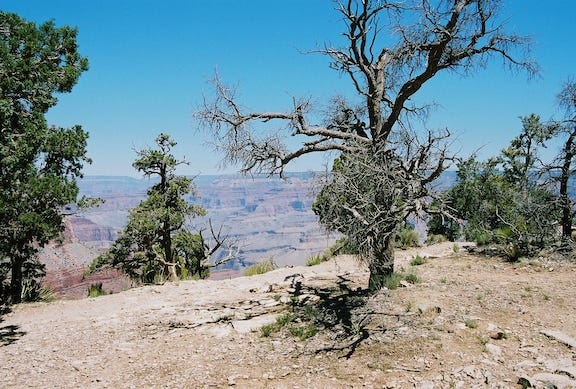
(271, 219)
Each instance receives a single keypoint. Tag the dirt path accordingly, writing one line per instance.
(470, 322)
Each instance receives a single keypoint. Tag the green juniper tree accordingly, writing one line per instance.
(562, 169)
(39, 164)
(503, 200)
(155, 244)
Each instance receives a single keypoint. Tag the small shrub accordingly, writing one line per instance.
(281, 322)
(512, 252)
(409, 306)
(482, 238)
(260, 268)
(35, 291)
(417, 261)
(267, 330)
(393, 281)
(316, 260)
(411, 276)
(310, 312)
(470, 323)
(341, 246)
(304, 333)
(435, 238)
(406, 237)
(95, 290)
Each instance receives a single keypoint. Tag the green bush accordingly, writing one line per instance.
(470, 323)
(392, 281)
(267, 330)
(441, 229)
(417, 260)
(407, 237)
(281, 322)
(435, 238)
(305, 332)
(316, 259)
(481, 238)
(260, 268)
(342, 246)
(301, 331)
(96, 290)
(411, 276)
(34, 291)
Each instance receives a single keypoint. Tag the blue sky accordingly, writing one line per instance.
(150, 62)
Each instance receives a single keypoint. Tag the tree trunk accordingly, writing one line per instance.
(172, 272)
(382, 264)
(16, 282)
(566, 221)
(569, 154)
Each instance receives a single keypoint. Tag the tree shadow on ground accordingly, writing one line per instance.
(8, 333)
(339, 310)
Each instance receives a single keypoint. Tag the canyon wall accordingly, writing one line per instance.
(271, 218)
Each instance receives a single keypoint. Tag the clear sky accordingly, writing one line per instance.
(150, 62)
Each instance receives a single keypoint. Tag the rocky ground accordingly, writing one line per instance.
(471, 322)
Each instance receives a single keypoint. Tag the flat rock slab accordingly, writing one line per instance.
(559, 381)
(560, 337)
(253, 324)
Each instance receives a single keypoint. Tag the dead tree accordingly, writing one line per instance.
(219, 242)
(393, 49)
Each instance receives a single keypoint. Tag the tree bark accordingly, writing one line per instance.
(172, 271)
(382, 264)
(566, 203)
(16, 282)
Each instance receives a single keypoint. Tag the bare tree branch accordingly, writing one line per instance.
(393, 49)
(220, 242)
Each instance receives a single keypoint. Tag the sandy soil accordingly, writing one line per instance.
(471, 322)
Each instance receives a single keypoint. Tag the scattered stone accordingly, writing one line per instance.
(267, 289)
(423, 308)
(424, 385)
(308, 298)
(554, 380)
(220, 331)
(527, 364)
(493, 349)
(268, 303)
(568, 370)
(560, 337)
(473, 372)
(561, 366)
(497, 335)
